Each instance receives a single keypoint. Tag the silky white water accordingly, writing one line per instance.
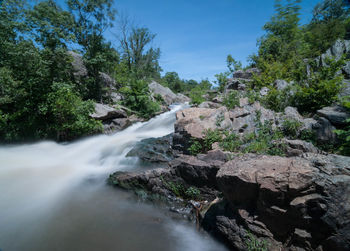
(54, 197)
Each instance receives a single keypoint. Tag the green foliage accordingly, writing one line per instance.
(137, 98)
(277, 100)
(344, 134)
(231, 142)
(321, 89)
(191, 193)
(232, 64)
(291, 127)
(195, 148)
(231, 100)
(70, 114)
(202, 146)
(196, 95)
(254, 244)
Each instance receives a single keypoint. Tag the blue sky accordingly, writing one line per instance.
(195, 36)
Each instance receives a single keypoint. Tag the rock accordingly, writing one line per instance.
(105, 112)
(208, 104)
(218, 99)
(264, 91)
(281, 84)
(298, 147)
(80, 71)
(244, 118)
(247, 74)
(235, 84)
(192, 123)
(107, 81)
(197, 172)
(337, 115)
(116, 97)
(346, 90)
(291, 113)
(154, 150)
(301, 202)
(324, 131)
(168, 96)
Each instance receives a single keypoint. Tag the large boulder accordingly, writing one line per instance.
(105, 112)
(246, 74)
(168, 96)
(337, 115)
(80, 71)
(192, 123)
(302, 203)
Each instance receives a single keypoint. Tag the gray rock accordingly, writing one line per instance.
(292, 200)
(235, 84)
(154, 150)
(208, 104)
(247, 74)
(107, 81)
(116, 97)
(299, 147)
(337, 115)
(79, 68)
(105, 112)
(324, 131)
(281, 84)
(264, 91)
(168, 96)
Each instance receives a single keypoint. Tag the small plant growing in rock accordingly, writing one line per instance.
(291, 128)
(231, 100)
(231, 142)
(211, 136)
(195, 148)
(201, 117)
(219, 119)
(192, 193)
(254, 244)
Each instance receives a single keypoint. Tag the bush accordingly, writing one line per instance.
(231, 100)
(291, 127)
(137, 98)
(344, 134)
(202, 146)
(196, 95)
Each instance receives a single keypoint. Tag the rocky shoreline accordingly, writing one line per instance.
(297, 201)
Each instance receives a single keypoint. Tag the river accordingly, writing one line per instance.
(55, 197)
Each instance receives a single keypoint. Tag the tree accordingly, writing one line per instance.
(92, 19)
(173, 81)
(137, 53)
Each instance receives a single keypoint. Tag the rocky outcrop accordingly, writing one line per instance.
(192, 123)
(168, 96)
(105, 112)
(79, 69)
(209, 104)
(295, 203)
(336, 115)
(246, 74)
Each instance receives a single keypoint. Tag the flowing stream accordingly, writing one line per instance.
(55, 197)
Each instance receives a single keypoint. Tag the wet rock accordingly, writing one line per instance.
(154, 150)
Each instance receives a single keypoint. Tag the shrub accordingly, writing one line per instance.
(231, 142)
(291, 127)
(192, 193)
(137, 98)
(254, 244)
(344, 134)
(195, 148)
(231, 100)
(196, 95)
